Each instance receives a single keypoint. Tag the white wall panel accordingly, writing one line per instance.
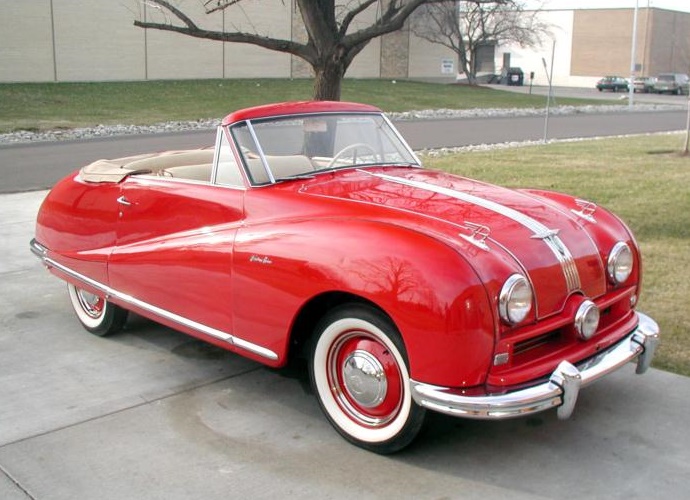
(96, 40)
(267, 18)
(173, 55)
(26, 41)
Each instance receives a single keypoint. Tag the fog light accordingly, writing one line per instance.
(587, 319)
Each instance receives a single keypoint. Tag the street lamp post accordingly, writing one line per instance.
(633, 66)
(549, 76)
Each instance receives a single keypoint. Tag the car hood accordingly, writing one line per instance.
(498, 230)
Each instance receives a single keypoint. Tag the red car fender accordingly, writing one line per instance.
(431, 293)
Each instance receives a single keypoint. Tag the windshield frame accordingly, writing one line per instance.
(264, 169)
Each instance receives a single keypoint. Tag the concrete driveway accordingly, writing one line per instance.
(153, 414)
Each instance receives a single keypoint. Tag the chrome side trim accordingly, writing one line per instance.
(561, 390)
(37, 249)
(539, 230)
(41, 252)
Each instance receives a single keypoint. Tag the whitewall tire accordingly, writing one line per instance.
(95, 313)
(360, 373)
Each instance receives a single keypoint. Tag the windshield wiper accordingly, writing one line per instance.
(295, 177)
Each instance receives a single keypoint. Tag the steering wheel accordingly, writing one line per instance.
(350, 147)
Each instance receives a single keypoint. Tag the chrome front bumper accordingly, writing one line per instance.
(559, 391)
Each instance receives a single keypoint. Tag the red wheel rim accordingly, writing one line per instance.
(365, 379)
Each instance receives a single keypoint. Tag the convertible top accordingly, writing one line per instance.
(152, 163)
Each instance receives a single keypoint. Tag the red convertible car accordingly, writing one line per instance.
(312, 231)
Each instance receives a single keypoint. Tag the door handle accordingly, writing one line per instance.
(124, 201)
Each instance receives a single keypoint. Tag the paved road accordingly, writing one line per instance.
(153, 414)
(28, 167)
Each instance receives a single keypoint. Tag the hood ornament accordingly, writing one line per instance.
(586, 211)
(545, 234)
(478, 235)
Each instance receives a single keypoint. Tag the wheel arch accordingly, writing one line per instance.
(311, 313)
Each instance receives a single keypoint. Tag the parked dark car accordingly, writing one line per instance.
(613, 83)
(644, 84)
(515, 76)
(672, 83)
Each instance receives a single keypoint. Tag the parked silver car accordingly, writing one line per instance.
(644, 84)
(672, 83)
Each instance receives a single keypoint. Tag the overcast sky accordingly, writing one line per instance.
(681, 5)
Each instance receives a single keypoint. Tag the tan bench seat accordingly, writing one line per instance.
(194, 172)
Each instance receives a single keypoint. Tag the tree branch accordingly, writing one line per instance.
(220, 5)
(392, 20)
(350, 16)
(175, 11)
(297, 49)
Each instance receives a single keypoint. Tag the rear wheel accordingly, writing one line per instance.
(359, 371)
(96, 314)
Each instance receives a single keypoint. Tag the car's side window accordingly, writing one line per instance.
(227, 172)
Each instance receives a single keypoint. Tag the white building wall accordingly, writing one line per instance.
(530, 58)
(96, 41)
(174, 56)
(26, 41)
(426, 60)
(367, 63)
(242, 60)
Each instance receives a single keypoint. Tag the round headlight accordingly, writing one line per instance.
(515, 300)
(620, 264)
(587, 319)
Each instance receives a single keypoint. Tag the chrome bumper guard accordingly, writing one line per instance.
(560, 391)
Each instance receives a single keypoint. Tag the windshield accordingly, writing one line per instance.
(288, 147)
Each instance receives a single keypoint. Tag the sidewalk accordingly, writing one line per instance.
(154, 414)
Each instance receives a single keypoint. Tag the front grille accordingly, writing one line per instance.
(536, 342)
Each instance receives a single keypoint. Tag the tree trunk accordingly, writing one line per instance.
(328, 81)
(466, 68)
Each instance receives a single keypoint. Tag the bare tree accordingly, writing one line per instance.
(465, 26)
(332, 40)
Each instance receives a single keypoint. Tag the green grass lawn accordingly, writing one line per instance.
(642, 180)
(41, 106)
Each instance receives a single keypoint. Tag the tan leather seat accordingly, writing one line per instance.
(193, 172)
(281, 166)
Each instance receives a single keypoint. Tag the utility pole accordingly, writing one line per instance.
(633, 66)
(549, 76)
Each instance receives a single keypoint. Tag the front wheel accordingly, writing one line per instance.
(359, 371)
(95, 313)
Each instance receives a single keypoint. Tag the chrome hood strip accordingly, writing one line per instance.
(41, 253)
(539, 230)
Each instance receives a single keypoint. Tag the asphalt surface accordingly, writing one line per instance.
(154, 414)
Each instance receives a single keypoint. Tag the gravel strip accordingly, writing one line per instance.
(440, 152)
(180, 126)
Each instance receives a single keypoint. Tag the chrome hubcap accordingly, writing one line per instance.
(91, 304)
(365, 379)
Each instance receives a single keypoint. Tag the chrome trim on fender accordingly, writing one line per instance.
(561, 390)
(37, 249)
(41, 252)
(539, 230)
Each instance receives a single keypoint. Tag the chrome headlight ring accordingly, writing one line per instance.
(620, 263)
(587, 319)
(515, 299)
